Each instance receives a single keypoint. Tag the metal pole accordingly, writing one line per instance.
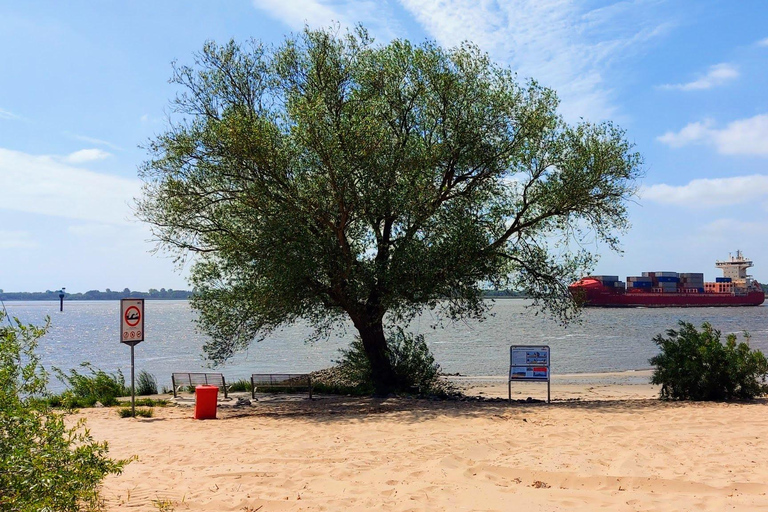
(133, 392)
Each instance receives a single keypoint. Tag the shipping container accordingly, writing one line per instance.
(667, 279)
(722, 279)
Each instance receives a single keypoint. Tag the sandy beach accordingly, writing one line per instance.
(603, 443)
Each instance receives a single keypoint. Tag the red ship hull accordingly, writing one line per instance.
(594, 294)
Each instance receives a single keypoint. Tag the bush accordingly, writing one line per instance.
(414, 366)
(146, 384)
(125, 412)
(87, 389)
(695, 365)
(146, 402)
(240, 385)
(44, 464)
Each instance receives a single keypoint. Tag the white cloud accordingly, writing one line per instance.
(693, 133)
(45, 185)
(92, 140)
(560, 43)
(86, 155)
(377, 15)
(9, 116)
(710, 193)
(717, 75)
(740, 137)
(17, 240)
(763, 42)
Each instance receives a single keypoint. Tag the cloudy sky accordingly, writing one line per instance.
(84, 84)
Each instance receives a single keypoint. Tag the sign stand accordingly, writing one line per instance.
(132, 333)
(529, 363)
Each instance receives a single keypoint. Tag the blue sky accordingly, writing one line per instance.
(84, 84)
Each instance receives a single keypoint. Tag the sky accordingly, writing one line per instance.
(84, 87)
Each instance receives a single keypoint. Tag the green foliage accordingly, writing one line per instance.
(414, 367)
(146, 384)
(44, 463)
(85, 389)
(146, 402)
(240, 385)
(124, 412)
(696, 365)
(331, 179)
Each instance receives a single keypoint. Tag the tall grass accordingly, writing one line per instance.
(146, 384)
(87, 388)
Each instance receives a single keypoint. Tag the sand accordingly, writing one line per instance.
(603, 443)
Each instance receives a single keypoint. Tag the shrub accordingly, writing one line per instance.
(414, 366)
(125, 412)
(44, 464)
(146, 402)
(695, 365)
(146, 384)
(240, 385)
(84, 390)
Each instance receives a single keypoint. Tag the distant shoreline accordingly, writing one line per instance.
(49, 295)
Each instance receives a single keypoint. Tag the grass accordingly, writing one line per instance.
(145, 402)
(240, 385)
(125, 412)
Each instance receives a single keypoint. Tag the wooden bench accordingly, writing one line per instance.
(280, 380)
(187, 379)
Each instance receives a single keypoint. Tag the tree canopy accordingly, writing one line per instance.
(331, 179)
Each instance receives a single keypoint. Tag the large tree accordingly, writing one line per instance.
(332, 179)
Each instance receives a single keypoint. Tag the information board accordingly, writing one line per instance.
(529, 363)
(131, 321)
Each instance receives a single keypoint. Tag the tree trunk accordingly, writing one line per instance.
(375, 345)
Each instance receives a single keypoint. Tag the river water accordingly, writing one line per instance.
(606, 340)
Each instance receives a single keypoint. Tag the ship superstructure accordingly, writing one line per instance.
(674, 289)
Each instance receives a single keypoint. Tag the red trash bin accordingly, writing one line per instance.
(205, 402)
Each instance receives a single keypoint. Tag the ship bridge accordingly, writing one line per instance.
(735, 267)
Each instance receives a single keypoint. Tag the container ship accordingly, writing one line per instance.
(673, 289)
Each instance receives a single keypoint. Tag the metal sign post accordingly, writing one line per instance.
(529, 363)
(132, 333)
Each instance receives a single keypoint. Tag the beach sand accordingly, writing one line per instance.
(603, 443)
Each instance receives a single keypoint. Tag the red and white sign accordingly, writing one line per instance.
(131, 321)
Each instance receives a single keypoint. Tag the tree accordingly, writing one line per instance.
(330, 178)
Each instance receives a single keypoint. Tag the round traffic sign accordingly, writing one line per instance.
(132, 316)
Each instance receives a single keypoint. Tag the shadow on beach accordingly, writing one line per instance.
(333, 409)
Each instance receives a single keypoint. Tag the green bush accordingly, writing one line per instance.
(44, 464)
(85, 389)
(415, 368)
(125, 412)
(146, 384)
(695, 365)
(146, 402)
(240, 385)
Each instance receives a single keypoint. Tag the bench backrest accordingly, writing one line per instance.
(281, 380)
(198, 379)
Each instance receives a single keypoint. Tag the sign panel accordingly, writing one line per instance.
(131, 321)
(529, 362)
